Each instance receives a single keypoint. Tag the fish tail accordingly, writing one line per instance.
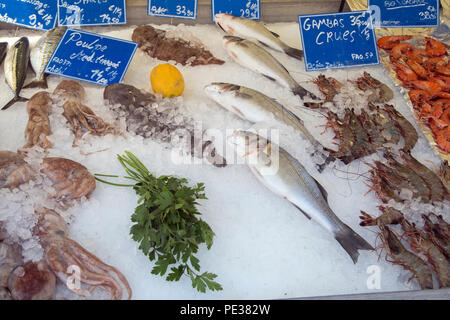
(302, 92)
(294, 53)
(351, 242)
(13, 101)
(37, 84)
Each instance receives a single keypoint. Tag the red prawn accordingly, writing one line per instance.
(389, 42)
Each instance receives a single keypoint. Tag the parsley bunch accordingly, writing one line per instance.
(166, 223)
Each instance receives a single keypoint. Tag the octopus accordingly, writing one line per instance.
(14, 171)
(71, 180)
(32, 281)
(139, 115)
(81, 118)
(36, 280)
(158, 45)
(65, 256)
(127, 96)
(38, 127)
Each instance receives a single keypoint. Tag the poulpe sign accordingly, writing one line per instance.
(91, 57)
(338, 40)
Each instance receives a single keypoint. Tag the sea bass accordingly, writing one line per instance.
(41, 54)
(16, 66)
(286, 177)
(254, 106)
(252, 56)
(247, 28)
(3, 50)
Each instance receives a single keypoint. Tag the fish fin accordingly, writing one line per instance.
(322, 190)
(287, 111)
(294, 53)
(242, 44)
(262, 43)
(351, 241)
(243, 95)
(37, 84)
(270, 78)
(13, 101)
(306, 215)
(238, 112)
(275, 34)
(218, 24)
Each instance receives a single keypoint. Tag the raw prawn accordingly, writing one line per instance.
(389, 216)
(409, 261)
(420, 243)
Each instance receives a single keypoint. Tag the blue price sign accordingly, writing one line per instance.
(34, 14)
(404, 13)
(91, 57)
(91, 12)
(240, 8)
(338, 40)
(185, 9)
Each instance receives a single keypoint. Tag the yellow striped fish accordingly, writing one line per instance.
(41, 54)
(16, 66)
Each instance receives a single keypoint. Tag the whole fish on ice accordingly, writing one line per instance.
(16, 66)
(247, 28)
(254, 106)
(41, 54)
(252, 56)
(286, 177)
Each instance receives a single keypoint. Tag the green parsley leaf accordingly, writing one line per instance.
(166, 224)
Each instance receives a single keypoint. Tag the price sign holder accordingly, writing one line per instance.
(240, 8)
(338, 40)
(399, 14)
(40, 15)
(72, 13)
(91, 57)
(182, 9)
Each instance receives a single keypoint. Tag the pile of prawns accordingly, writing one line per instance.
(426, 73)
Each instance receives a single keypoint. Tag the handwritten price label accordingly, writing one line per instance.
(184, 9)
(33, 14)
(250, 9)
(91, 12)
(338, 40)
(405, 13)
(91, 57)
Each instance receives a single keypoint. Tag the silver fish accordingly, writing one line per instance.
(254, 106)
(247, 28)
(41, 54)
(252, 56)
(286, 177)
(16, 66)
